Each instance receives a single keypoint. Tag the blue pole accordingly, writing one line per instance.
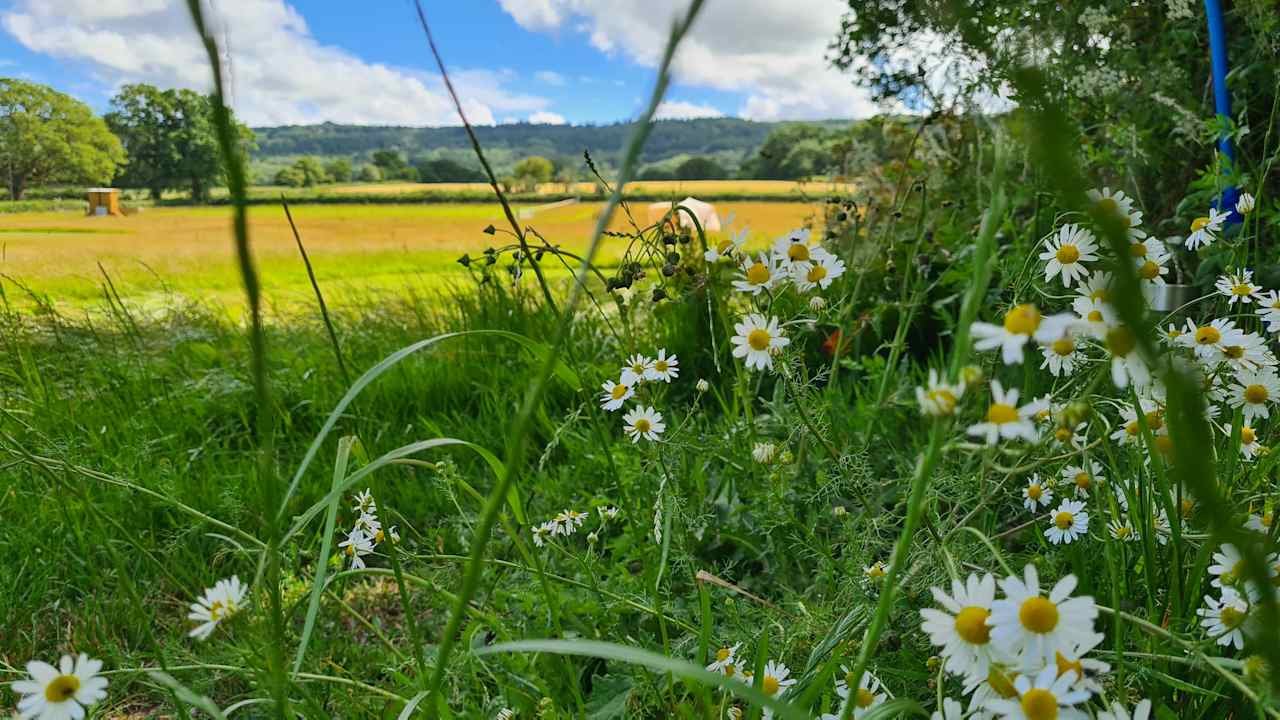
(1222, 99)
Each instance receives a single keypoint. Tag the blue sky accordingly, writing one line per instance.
(578, 61)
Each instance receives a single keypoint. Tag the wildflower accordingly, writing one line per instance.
(764, 273)
(1141, 711)
(364, 503)
(505, 714)
(614, 395)
(1082, 478)
(1067, 252)
(1127, 364)
(1068, 523)
(819, 272)
(875, 571)
(1093, 316)
(634, 372)
(1254, 390)
(868, 695)
(1061, 356)
(1131, 430)
(643, 422)
(1227, 567)
(727, 246)
(368, 525)
(763, 452)
(1086, 670)
(961, 628)
(1249, 352)
(391, 533)
(817, 303)
(662, 367)
(1035, 494)
(1238, 287)
(702, 385)
(1269, 309)
(218, 603)
(1032, 627)
(1153, 264)
(607, 512)
(1121, 530)
(1046, 697)
(1260, 523)
(569, 520)
(726, 661)
(1209, 342)
(1005, 419)
(357, 546)
(1021, 324)
(794, 247)
(542, 532)
(777, 678)
(757, 339)
(1117, 203)
(63, 692)
(1245, 204)
(1204, 230)
(937, 398)
(951, 710)
(1225, 620)
(1096, 287)
(1249, 445)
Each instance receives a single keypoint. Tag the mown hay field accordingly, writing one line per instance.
(354, 247)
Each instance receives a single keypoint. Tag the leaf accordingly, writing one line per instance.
(609, 697)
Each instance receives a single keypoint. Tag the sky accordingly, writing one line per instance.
(366, 61)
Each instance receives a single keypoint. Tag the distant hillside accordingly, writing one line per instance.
(729, 139)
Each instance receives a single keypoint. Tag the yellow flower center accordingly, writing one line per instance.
(816, 273)
(1256, 394)
(724, 246)
(971, 625)
(1154, 420)
(1063, 346)
(62, 689)
(758, 273)
(1065, 666)
(1138, 250)
(1001, 684)
(1034, 491)
(642, 425)
(798, 252)
(618, 391)
(1149, 270)
(770, 685)
(660, 366)
(1230, 617)
(999, 413)
(1235, 352)
(723, 654)
(1063, 520)
(865, 698)
(1132, 428)
(1022, 320)
(1199, 224)
(943, 398)
(758, 339)
(1040, 704)
(730, 670)
(1038, 615)
(1062, 434)
(1100, 295)
(1083, 481)
(1208, 335)
(1121, 341)
(875, 571)
(1242, 289)
(217, 610)
(1094, 316)
(1248, 436)
(1123, 531)
(1068, 254)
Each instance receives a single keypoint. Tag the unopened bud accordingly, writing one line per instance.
(703, 386)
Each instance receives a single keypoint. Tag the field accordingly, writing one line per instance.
(354, 248)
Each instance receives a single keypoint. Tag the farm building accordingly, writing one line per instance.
(104, 201)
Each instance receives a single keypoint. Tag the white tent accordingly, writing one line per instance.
(705, 212)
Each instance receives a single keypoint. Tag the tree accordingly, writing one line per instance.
(393, 166)
(700, 168)
(312, 171)
(446, 170)
(370, 173)
(338, 170)
(47, 137)
(792, 151)
(291, 177)
(170, 138)
(532, 171)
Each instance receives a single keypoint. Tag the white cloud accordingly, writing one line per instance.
(542, 117)
(549, 77)
(279, 73)
(772, 51)
(681, 110)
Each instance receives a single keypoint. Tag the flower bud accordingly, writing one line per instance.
(703, 386)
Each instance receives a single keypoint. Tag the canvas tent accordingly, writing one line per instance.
(705, 212)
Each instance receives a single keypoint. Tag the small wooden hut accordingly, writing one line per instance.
(104, 201)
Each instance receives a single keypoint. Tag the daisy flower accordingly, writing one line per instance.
(1068, 523)
(1238, 287)
(1227, 567)
(505, 714)
(1249, 445)
(1032, 627)
(1260, 523)
(1096, 287)
(1005, 419)
(937, 398)
(541, 533)
(757, 339)
(1044, 697)
(726, 662)
(1225, 620)
(728, 246)
(60, 693)
(1245, 204)
(819, 272)
(1126, 364)
(1131, 430)
(1121, 530)
(1036, 495)
(961, 628)
(662, 367)
(1061, 356)
(1141, 711)
(364, 503)
(1254, 390)
(1154, 263)
(868, 695)
(1067, 252)
(1115, 201)
(218, 603)
(634, 372)
(1093, 316)
(1087, 670)
(368, 524)
(1249, 353)
(643, 422)
(1269, 309)
(951, 710)
(1083, 478)
(1142, 247)
(763, 273)
(1021, 324)
(614, 395)
(794, 247)
(775, 682)
(1204, 230)
(357, 545)
(1209, 342)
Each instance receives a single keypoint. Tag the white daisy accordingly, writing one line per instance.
(1066, 253)
(1254, 390)
(542, 533)
(1210, 341)
(726, 662)
(1249, 445)
(1249, 352)
(951, 710)
(1141, 711)
(60, 693)
(727, 247)
(1087, 670)
(1036, 494)
(777, 679)
(1153, 264)
(356, 546)
(1021, 324)
(218, 603)
(1130, 431)
(1082, 478)
(1269, 309)
(1227, 567)
(1068, 523)
(1245, 204)
(962, 630)
(1097, 287)
(1061, 356)
(1116, 202)
(1005, 419)
(643, 422)
(869, 693)
(937, 398)
(1121, 530)
(663, 368)
(1093, 316)
(634, 372)
(763, 273)
(819, 272)
(364, 503)
(1204, 230)
(1238, 287)
(1260, 523)
(1226, 620)
(1032, 627)
(794, 247)
(1127, 364)
(757, 340)
(614, 395)
(1044, 697)
(368, 524)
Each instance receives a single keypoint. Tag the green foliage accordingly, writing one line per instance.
(791, 152)
(700, 168)
(532, 171)
(338, 170)
(49, 137)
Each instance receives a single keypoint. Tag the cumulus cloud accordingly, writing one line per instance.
(542, 117)
(772, 51)
(681, 110)
(279, 73)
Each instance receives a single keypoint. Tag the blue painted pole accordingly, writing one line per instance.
(1222, 100)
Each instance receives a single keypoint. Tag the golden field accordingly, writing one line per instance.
(354, 248)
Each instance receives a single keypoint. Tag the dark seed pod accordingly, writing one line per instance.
(490, 259)
(947, 203)
(668, 240)
(897, 214)
(490, 230)
(668, 270)
(841, 217)
(659, 295)
(538, 256)
(673, 258)
(686, 239)
(465, 261)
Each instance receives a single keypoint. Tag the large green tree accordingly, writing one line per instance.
(170, 138)
(49, 137)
